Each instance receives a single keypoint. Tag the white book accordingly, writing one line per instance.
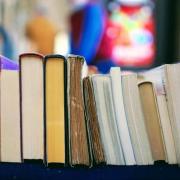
(115, 75)
(108, 129)
(135, 119)
(112, 119)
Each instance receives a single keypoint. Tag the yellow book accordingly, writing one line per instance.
(55, 108)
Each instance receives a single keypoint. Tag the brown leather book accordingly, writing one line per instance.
(78, 138)
(92, 122)
(152, 121)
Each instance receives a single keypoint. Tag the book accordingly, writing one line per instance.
(32, 105)
(10, 125)
(55, 109)
(124, 135)
(49, 112)
(155, 76)
(106, 120)
(79, 149)
(152, 120)
(170, 76)
(135, 120)
(92, 122)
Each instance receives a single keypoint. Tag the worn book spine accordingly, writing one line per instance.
(92, 122)
(78, 138)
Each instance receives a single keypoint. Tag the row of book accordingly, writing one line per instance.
(50, 112)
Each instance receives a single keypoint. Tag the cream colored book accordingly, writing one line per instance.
(106, 119)
(10, 131)
(135, 119)
(32, 105)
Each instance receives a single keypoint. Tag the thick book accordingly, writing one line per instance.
(10, 125)
(55, 109)
(79, 149)
(106, 119)
(152, 120)
(92, 122)
(32, 105)
(135, 120)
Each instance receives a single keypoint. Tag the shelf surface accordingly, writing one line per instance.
(39, 171)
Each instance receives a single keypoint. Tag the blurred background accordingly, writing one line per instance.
(133, 34)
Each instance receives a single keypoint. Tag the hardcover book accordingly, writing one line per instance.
(32, 105)
(55, 109)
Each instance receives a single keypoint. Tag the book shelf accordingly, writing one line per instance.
(38, 171)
